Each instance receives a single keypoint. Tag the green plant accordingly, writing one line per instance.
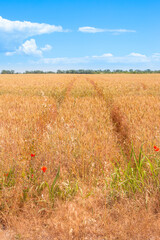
(52, 189)
(9, 178)
(138, 175)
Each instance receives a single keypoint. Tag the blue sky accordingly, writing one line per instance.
(88, 34)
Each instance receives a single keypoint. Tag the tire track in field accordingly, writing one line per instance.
(69, 87)
(43, 120)
(118, 119)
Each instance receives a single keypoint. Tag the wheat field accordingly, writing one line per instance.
(65, 142)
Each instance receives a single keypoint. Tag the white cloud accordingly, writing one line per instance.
(10, 53)
(156, 56)
(104, 55)
(25, 29)
(47, 47)
(137, 55)
(96, 30)
(131, 58)
(64, 60)
(90, 29)
(107, 55)
(29, 47)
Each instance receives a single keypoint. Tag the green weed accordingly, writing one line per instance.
(138, 175)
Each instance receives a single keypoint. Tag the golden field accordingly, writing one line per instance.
(83, 129)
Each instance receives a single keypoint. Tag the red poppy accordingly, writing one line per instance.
(32, 176)
(156, 148)
(32, 155)
(44, 169)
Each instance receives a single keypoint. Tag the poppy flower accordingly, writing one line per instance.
(44, 169)
(32, 155)
(156, 148)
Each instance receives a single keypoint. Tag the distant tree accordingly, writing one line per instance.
(34, 72)
(60, 71)
(7, 72)
(148, 71)
(107, 71)
(118, 71)
(137, 71)
(50, 72)
(83, 71)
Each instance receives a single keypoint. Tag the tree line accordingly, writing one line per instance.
(82, 71)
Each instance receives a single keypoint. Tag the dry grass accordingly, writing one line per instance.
(83, 124)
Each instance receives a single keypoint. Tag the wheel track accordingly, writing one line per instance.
(118, 120)
(43, 121)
